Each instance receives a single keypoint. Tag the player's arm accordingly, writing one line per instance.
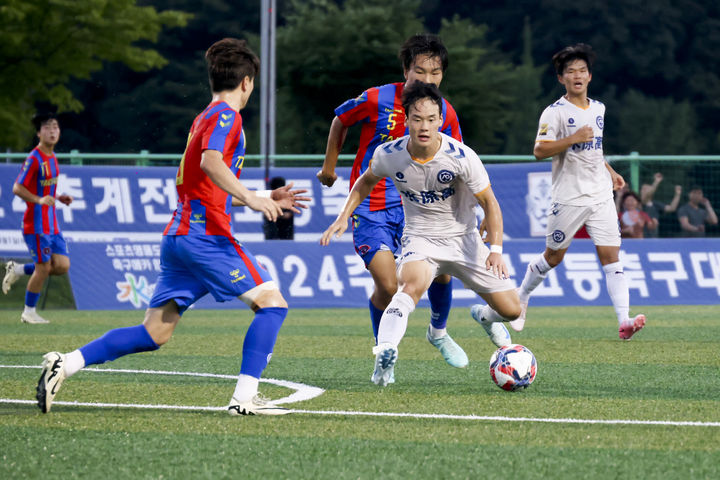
(548, 148)
(286, 198)
(214, 167)
(28, 196)
(335, 142)
(494, 226)
(362, 188)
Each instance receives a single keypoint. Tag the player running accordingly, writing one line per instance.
(441, 181)
(378, 221)
(199, 253)
(571, 132)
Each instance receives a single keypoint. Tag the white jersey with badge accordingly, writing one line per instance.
(438, 195)
(579, 175)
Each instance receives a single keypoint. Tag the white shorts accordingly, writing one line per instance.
(462, 257)
(600, 220)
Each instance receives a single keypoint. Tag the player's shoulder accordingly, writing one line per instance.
(595, 103)
(393, 148)
(455, 148)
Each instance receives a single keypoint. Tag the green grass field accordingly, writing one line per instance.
(667, 375)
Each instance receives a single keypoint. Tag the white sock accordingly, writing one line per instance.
(536, 272)
(437, 332)
(395, 319)
(618, 290)
(74, 362)
(246, 388)
(489, 315)
(29, 309)
(19, 269)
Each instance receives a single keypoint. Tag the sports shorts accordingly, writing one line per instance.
(378, 231)
(43, 246)
(600, 220)
(194, 265)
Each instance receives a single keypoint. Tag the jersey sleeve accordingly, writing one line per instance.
(548, 127)
(378, 163)
(28, 174)
(355, 110)
(451, 125)
(215, 136)
(474, 174)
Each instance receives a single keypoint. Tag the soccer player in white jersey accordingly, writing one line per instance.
(441, 180)
(571, 132)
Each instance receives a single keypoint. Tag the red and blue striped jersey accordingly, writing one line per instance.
(380, 111)
(204, 208)
(39, 175)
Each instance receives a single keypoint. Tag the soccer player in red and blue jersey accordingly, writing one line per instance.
(378, 222)
(199, 254)
(37, 185)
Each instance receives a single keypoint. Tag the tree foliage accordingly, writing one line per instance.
(44, 44)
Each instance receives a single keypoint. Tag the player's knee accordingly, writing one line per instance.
(60, 269)
(270, 299)
(43, 269)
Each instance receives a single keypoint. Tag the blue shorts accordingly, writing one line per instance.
(42, 247)
(194, 265)
(375, 231)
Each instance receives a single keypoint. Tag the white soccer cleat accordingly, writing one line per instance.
(497, 332)
(519, 323)
(10, 276)
(51, 378)
(385, 357)
(453, 353)
(32, 317)
(257, 406)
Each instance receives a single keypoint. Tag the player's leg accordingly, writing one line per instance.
(13, 272)
(382, 269)
(602, 227)
(60, 259)
(41, 253)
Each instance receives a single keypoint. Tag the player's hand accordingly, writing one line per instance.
(617, 180)
(496, 265)
(267, 206)
(584, 135)
(48, 200)
(483, 229)
(65, 199)
(337, 228)
(290, 199)
(327, 179)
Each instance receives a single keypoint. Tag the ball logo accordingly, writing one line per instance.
(600, 122)
(558, 236)
(445, 176)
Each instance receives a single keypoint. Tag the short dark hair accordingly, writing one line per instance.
(695, 187)
(630, 193)
(423, 44)
(229, 61)
(419, 90)
(40, 119)
(579, 51)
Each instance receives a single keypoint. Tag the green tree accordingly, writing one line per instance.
(44, 44)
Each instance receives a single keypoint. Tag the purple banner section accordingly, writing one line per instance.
(121, 274)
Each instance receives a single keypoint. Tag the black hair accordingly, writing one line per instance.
(579, 51)
(40, 119)
(229, 61)
(419, 90)
(423, 44)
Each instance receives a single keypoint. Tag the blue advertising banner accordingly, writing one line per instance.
(121, 274)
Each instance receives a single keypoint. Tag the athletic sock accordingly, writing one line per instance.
(245, 388)
(395, 319)
(375, 316)
(440, 296)
(117, 343)
(74, 362)
(31, 299)
(618, 290)
(536, 272)
(437, 332)
(27, 269)
(260, 340)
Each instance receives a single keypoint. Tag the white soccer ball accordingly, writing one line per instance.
(513, 367)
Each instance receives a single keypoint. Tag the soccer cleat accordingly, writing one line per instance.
(10, 277)
(51, 378)
(385, 357)
(519, 323)
(257, 406)
(630, 327)
(32, 317)
(497, 332)
(453, 354)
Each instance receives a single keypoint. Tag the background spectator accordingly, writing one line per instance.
(692, 218)
(632, 218)
(653, 207)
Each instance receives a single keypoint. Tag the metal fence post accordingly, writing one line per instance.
(634, 171)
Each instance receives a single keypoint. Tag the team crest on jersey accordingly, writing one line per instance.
(543, 129)
(445, 176)
(400, 177)
(558, 236)
(600, 122)
(363, 249)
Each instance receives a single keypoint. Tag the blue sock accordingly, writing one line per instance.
(440, 296)
(31, 298)
(116, 343)
(375, 316)
(260, 340)
(29, 268)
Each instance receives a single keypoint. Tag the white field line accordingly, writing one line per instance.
(318, 391)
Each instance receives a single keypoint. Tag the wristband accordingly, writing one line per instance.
(263, 193)
(496, 249)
